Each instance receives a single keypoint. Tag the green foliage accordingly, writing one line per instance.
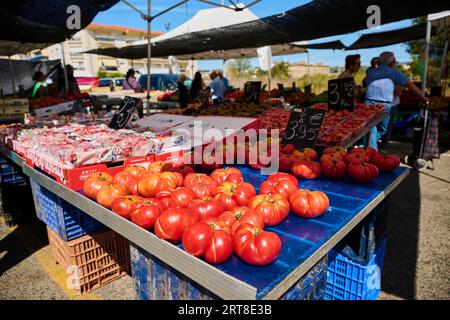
(239, 68)
(109, 74)
(319, 82)
(280, 70)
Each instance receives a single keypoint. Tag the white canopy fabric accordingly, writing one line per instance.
(441, 22)
(9, 48)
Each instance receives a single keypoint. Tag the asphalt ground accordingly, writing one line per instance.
(416, 264)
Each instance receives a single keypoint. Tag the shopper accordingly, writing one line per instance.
(183, 92)
(71, 81)
(352, 66)
(383, 83)
(197, 86)
(374, 63)
(225, 81)
(131, 83)
(39, 86)
(217, 87)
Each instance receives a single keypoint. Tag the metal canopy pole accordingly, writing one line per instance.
(149, 51)
(12, 76)
(443, 62)
(427, 53)
(63, 60)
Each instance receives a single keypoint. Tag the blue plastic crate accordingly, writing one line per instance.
(9, 175)
(62, 217)
(348, 280)
(155, 280)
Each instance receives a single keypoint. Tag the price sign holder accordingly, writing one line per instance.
(123, 115)
(303, 127)
(341, 94)
(252, 91)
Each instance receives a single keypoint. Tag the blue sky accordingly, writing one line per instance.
(122, 15)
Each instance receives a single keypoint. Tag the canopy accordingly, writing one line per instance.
(441, 23)
(381, 39)
(32, 24)
(323, 45)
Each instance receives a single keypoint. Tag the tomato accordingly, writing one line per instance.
(212, 241)
(146, 216)
(172, 223)
(184, 170)
(279, 176)
(233, 195)
(152, 183)
(285, 162)
(362, 171)
(196, 178)
(206, 208)
(135, 170)
(155, 202)
(181, 197)
(308, 204)
(221, 175)
(128, 181)
(305, 154)
(333, 168)
(386, 162)
(106, 195)
(331, 157)
(159, 167)
(359, 156)
(164, 196)
(240, 215)
(256, 246)
(125, 205)
(283, 187)
(172, 180)
(336, 150)
(306, 169)
(95, 182)
(368, 151)
(274, 208)
(289, 148)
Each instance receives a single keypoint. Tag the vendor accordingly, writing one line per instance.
(72, 82)
(352, 66)
(217, 87)
(39, 86)
(183, 91)
(383, 83)
(131, 83)
(197, 86)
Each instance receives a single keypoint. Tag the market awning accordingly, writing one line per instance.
(34, 22)
(9, 48)
(386, 38)
(441, 23)
(334, 45)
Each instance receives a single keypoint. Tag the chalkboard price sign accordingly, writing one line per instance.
(341, 94)
(123, 115)
(252, 91)
(303, 127)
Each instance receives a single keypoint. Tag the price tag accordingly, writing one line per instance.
(123, 115)
(341, 94)
(303, 127)
(252, 91)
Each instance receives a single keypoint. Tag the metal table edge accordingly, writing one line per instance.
(365, 132)
(213, 279)
(301, 270)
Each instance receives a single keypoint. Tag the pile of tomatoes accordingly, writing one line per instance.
(211, 215)
(362, 164)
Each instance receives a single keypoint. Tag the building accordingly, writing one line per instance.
(96, 36)
(300, 69)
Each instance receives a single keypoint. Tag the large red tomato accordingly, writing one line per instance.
(206, 208)
(274, 208)
(306, 169)
(95, 182)
(333, 168)
(240, 215)
(386, 162)
(233, 195)
(227, 175)
(285, 162)
(181, 197)
(146, 216)
(125, 205)
(128, 181)
(135, 170)
(151, 183)
(356, 156)
(331, 157)
(279, 176)
(164, 197)
(106, 195)
(288, 149)
(192, 178)
(283, 187)
(172, 223)
(256, 246)
(362, 171)
(212, 241)
(306, 154)
(342, 152)
(184, 170)
(159, 167)
(368, 151)
(308, 204)
(155, 202)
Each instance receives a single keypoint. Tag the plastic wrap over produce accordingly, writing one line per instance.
(78, 145)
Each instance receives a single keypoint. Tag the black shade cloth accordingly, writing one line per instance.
(387, 38)
(23, 72)
(324, 45)
(37, 21)
(317, 19)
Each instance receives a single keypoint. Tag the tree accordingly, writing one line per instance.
(280, 70)
(239, 68)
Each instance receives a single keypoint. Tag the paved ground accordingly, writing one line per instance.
(416, 266)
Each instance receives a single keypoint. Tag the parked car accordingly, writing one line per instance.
(162, 81)
(106, 82)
